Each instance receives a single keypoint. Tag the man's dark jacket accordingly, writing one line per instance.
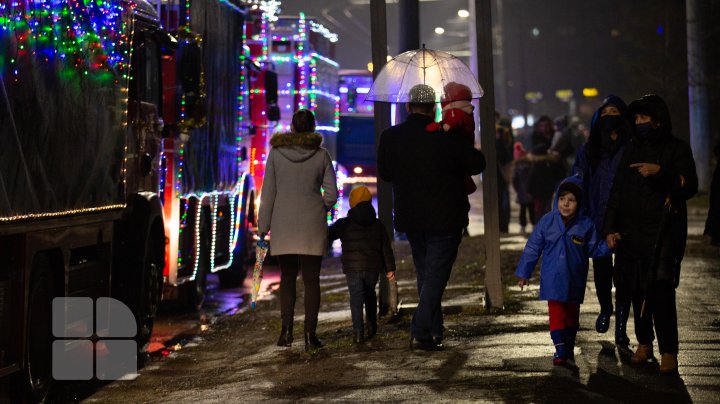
(365, 242)
(651, 233)
(427, 171)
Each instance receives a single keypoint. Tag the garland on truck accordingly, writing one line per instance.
(84, 38)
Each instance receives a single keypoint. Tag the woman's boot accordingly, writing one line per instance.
(642, 354)
(312, 341)
(621, 317)
(286, 336)
(668, 363)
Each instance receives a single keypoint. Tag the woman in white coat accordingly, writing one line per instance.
(294, 211)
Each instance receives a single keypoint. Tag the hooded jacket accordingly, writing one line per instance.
(292, 206)
(565, 250)
(428, 172)
(597, 168)
(638, 206)
(365, 242)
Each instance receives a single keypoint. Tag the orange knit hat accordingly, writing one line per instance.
(359, 194)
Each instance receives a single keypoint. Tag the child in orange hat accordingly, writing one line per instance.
(457, 117)
(366, 252)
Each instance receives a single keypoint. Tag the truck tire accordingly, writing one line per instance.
(39, 338)
(198, 287)
(244, 251)
(150, 290)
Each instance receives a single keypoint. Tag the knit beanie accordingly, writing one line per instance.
(359, 194)
(573, 188)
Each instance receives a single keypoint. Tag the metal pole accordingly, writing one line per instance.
(493, 276)
(698, 94)
(378, 29)
(409, 34)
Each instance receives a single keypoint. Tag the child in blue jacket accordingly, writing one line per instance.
(566, 239)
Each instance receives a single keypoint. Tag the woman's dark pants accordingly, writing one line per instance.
(290, 265)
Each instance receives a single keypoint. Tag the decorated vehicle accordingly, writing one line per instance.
(124, 169)
(293, 56)
(80, 214)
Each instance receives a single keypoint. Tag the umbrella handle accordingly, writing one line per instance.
(642, 308)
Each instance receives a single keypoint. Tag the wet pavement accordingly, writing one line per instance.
(226, 353)
(490, 355)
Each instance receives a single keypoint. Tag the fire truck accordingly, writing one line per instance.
(295, 70)
(124, 163)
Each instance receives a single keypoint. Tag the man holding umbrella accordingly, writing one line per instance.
(427, 171)
(647, 217)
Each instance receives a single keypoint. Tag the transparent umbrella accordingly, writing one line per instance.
(260, 253)
(421, 66)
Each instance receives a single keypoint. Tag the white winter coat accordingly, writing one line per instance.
(292, 207)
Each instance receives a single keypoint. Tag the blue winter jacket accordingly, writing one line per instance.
(597, 183)
(565, 252)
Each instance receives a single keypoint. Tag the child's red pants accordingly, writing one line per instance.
(563, 315)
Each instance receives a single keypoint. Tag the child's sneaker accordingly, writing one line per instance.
(558, 360)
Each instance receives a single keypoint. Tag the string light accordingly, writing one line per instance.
(70, 212)
(79, 41)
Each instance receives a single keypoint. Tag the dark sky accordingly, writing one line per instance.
(625, 47)
(350, 19)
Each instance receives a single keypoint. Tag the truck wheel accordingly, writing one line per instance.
(149, 297)
(235, 274)
(197, 288)
(39, 338)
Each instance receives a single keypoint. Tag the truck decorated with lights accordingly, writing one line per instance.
(295, 70)
(80, 214)
(123, 163)
(208, 196)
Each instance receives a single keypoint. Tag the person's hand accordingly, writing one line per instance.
(646, 169)
(390, 276)
(522, 283)
(612, 240)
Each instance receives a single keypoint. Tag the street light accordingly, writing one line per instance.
(463, 13)
(439, 30)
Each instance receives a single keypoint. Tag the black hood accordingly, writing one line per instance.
(655, 107)
(595, 142)
(363, 213)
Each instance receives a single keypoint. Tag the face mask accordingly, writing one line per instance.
(611, 122)
(644, 130)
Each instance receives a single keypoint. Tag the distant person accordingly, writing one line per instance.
(428, 172)
(366, 253)
(647, 217)
(562, 143)
(521, 183)
(294, 210)
(547, 171)
(712, 224)
(504, 152)
(597, 162)
(565, 239)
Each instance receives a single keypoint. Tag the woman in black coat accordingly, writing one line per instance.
(647, 218)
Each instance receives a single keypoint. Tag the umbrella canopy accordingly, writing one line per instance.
(421, 66)
(260, 253)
